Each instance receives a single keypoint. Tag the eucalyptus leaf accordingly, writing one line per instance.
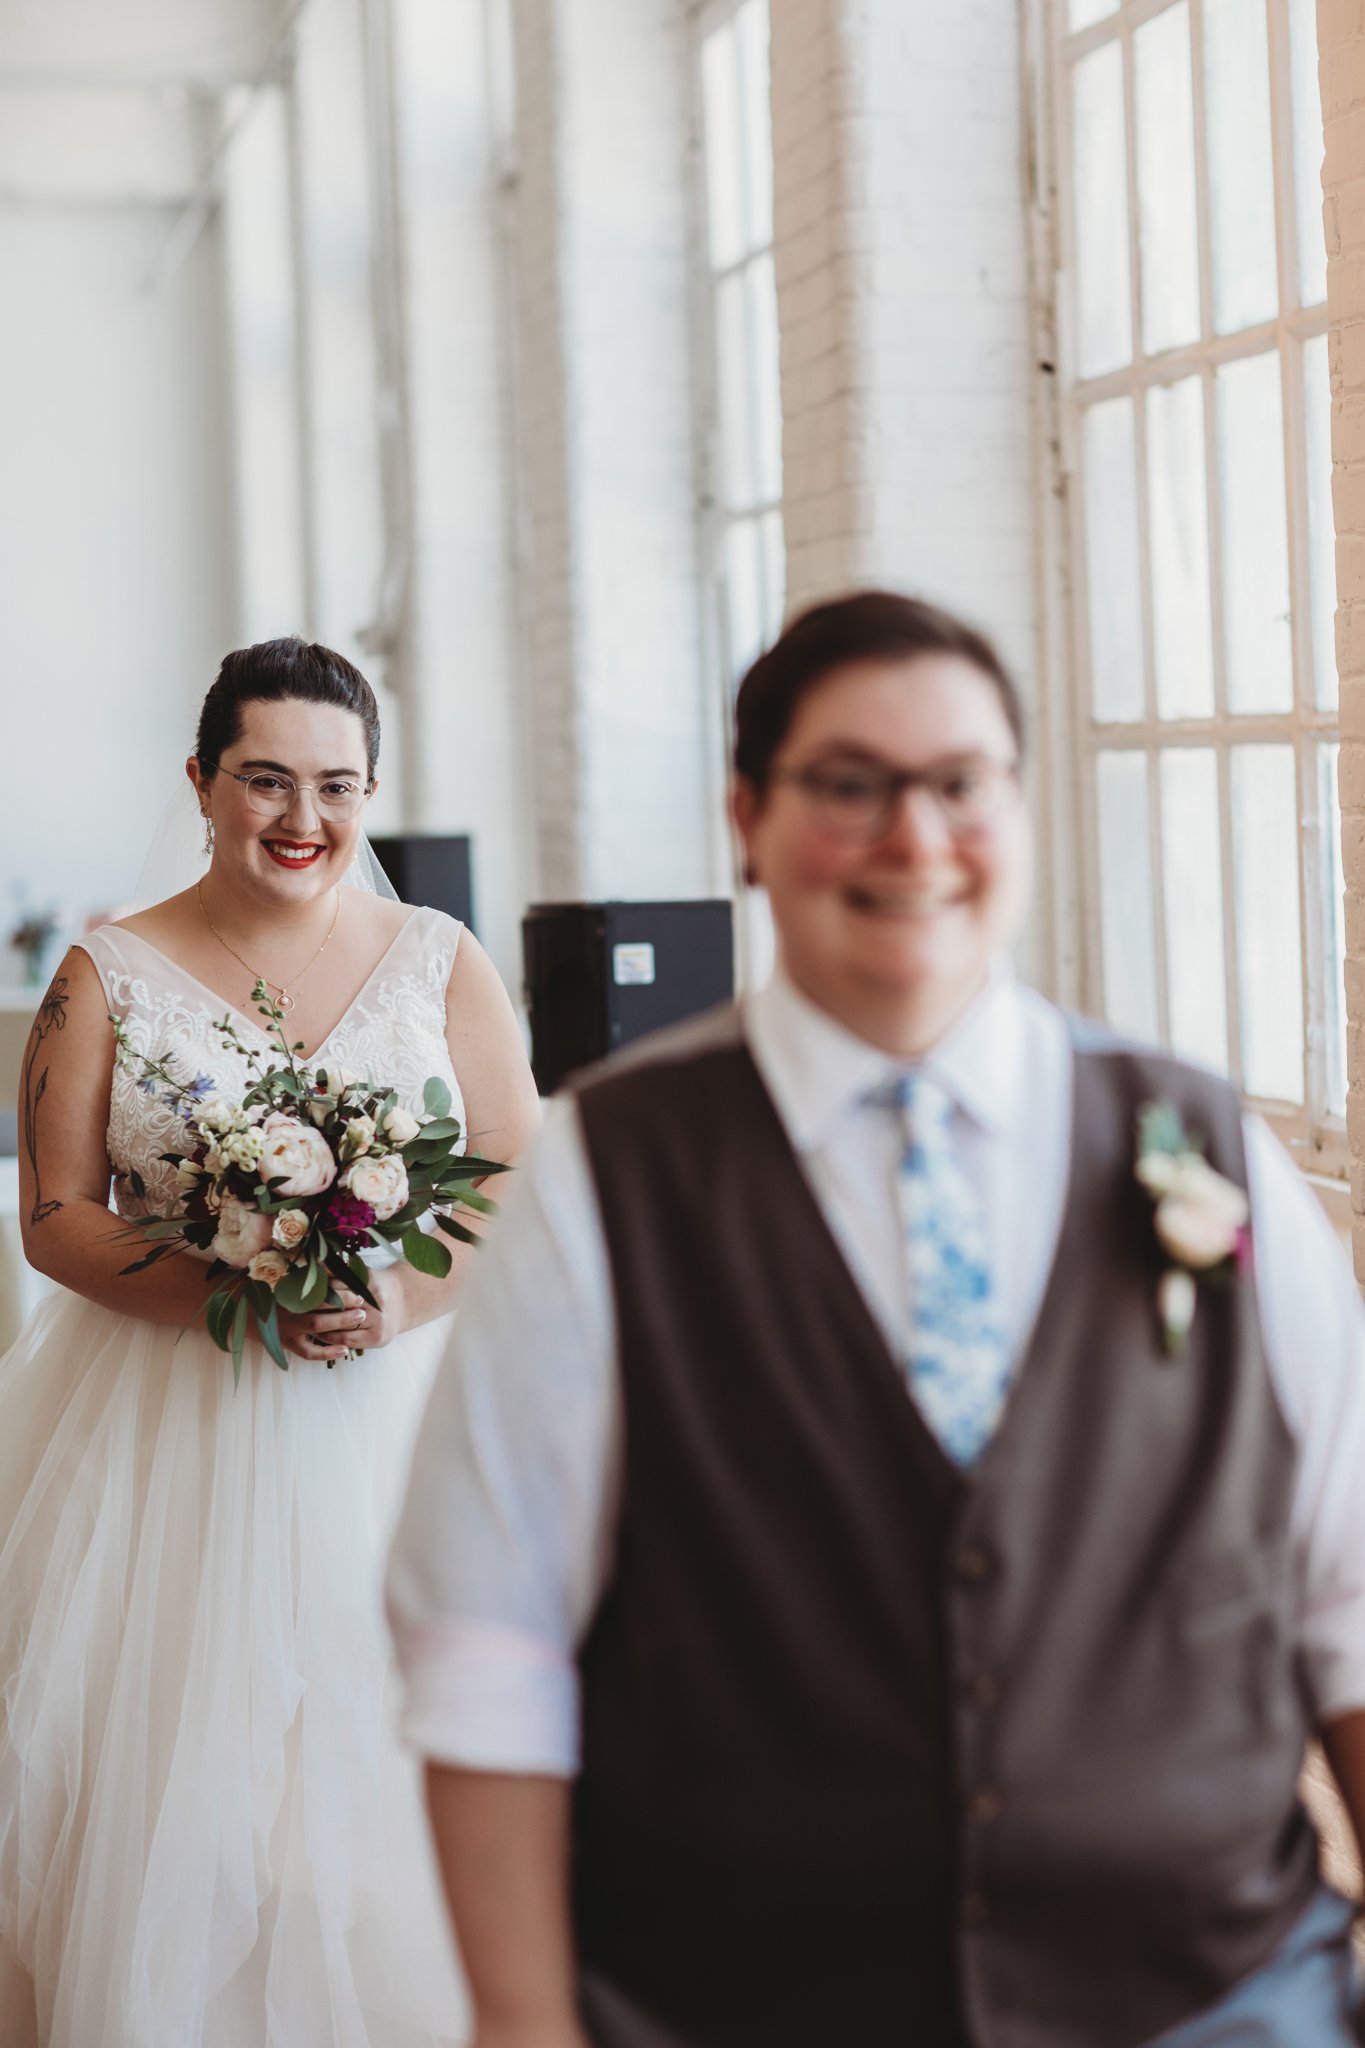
(454, 1229)
(239, 1322)
(425, 1253)
(270, 1337)
(436, 1097)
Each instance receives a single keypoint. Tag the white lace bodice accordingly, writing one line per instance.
(393, 1032)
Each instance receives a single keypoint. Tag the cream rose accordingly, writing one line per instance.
(401, 1126)
(297, 1156)
(1198, 1234)
(269, 1266)
(383, 1183)
(290, 1228)
(242, 1232)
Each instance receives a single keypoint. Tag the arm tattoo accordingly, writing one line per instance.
(51, 1017)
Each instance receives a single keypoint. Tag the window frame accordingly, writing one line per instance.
(1314, 1132)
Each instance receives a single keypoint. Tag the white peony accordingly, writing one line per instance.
(401, 1126)
(291, 1226)
(383, 1183)
(270, 1266)
(242, 1232)
(297, 1156)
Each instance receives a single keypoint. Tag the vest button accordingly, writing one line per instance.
(975, 1909)
(984, 1806)
(974, 1564)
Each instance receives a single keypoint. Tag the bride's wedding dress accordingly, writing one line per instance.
(208, 1838)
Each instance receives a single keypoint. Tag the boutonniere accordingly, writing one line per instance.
(1200, 1218)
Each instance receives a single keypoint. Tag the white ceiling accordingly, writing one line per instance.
(203, 44)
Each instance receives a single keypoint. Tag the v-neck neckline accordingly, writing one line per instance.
(241, 1016)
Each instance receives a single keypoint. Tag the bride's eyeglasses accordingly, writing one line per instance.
(270, 796)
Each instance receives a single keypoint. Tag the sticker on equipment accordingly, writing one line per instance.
(633, 966)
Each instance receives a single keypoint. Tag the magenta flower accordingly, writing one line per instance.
(345, 1217)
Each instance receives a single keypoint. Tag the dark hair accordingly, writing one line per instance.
(868, 625)
(280, 671)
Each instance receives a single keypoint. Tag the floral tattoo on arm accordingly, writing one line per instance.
(51, 1017)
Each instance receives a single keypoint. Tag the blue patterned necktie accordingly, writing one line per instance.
(957, 1361)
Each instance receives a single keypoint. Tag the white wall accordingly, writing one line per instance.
(116, 553)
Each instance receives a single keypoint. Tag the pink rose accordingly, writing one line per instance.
(291, 1228)
(383, 1183)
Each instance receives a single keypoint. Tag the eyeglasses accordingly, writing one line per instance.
(858, 803)
(270, 796)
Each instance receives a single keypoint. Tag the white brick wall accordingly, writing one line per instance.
(1341, 40)
(902, 267)
(611, 617)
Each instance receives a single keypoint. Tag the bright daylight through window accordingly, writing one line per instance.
(1197, 426)
(744, 464)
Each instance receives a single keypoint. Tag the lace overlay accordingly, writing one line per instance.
(392, 1032)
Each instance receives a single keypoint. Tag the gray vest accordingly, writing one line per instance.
(877, 1751)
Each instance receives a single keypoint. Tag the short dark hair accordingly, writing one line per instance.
(867, 625)
(279, 671)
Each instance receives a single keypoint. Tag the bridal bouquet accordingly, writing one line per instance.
(288, 1188)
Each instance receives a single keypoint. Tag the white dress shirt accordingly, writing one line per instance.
(507, 1535)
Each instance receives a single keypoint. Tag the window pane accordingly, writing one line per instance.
(1168, 236)
(1322, 539)
(1182, 635)
(724, 169)
(751, 27)
(1126, 920)
(774, 574)
(1104, 339)
(1242, 193)
(1260, 674)
(767, 397)
(1192, 889)
(1113, 573)
(743, 594)
(736, 391)
(1303, 37)
(1334, 919)
(1081, 13)
(1265, 841)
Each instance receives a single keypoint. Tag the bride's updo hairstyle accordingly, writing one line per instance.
(274, 671)
(869, 625)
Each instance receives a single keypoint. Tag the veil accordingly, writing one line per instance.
(176, 859)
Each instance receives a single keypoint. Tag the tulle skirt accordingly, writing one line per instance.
(208, 1835)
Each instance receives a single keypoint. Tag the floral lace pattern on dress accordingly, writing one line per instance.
(393, 1030)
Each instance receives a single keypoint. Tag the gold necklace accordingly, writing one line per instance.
(286, 1001)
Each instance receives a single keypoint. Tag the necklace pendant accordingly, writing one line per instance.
(285, 1003)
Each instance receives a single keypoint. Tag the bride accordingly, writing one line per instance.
(207, 1836)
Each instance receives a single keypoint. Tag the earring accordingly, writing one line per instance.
(208, 837)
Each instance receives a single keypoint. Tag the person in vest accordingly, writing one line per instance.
(893, 1511)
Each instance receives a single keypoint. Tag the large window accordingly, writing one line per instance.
(1197, 427)
(743, 525)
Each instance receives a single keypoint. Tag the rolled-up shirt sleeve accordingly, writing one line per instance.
(1314, 1329)
(502, 1547)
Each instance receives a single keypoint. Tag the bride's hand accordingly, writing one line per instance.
(329, 1333)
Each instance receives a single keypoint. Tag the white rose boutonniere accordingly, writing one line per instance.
(1200, 1217)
